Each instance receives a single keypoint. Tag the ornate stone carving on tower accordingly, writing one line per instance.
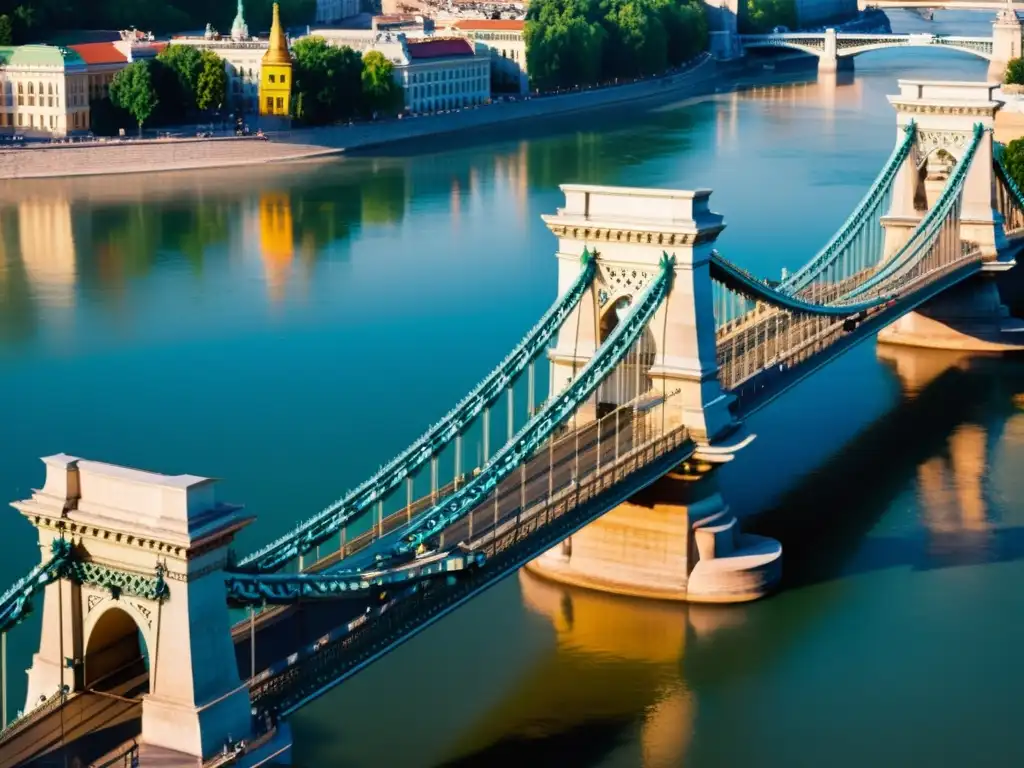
(239, 29)
(159, 544)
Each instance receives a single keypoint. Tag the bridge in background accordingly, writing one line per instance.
(949, 5)
(659, 347)
(830, 47)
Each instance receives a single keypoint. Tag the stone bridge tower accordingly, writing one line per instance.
(1006, 42)
(945, 114)
(629, 230)
(970, 317)
(147, 585)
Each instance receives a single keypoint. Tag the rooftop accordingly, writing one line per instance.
(99, 53)
(39, 56)
(511, 25)
(439, 48)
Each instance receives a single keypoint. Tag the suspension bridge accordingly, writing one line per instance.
(658, 346)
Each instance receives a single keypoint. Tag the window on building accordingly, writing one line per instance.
(50, 89)
(280, 104)
(21, 119)
(272, 79)
(283, 77)
(270, 103)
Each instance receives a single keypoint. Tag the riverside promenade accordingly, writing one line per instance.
(107, 158)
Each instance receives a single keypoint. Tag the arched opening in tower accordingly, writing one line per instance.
(116, 657)
(630, 379)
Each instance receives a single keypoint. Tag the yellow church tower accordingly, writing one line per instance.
(276, 73)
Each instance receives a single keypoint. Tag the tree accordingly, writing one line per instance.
(212, 85)
(6, 30)
(186, 62)
(132, 90)
(764, 15)
(327, 81)
(1014, 72)
(105, 118)
(686, 29)
(380, 91)
(1013, 159)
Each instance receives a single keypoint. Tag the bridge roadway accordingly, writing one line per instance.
(281, 631)
(526, 527)
(110, 714)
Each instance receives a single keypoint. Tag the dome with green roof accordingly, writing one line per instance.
(41, 56)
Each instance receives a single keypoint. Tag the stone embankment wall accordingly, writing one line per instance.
(145, 156)
(187, 154)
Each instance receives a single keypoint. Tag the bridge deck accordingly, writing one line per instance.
(531, 517)
(280, 631)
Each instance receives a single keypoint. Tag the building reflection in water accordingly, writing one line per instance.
(952, 485)
(830, 92)
(612, 684)
(277, 241)
(47, 246)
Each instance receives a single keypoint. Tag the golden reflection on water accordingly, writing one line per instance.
(952, 484)
(277, 241)
(616, 661)
(47, 245)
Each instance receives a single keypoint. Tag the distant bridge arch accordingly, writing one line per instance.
(830, 45)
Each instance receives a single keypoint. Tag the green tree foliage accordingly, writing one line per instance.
(6, 30)
(1013, 159)
(212, 85)
(579, 42)
(764, 15)
(106, 118)
(380, 91)
(327, 81)
(34, 19)
(185, 61)
(1014, 72)
(132, 89)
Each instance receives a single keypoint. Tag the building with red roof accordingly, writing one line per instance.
(103, 60)
(437, 73)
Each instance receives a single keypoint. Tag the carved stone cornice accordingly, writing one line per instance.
(917, 108)
(644, 237)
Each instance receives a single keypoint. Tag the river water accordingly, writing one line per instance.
(289, 329)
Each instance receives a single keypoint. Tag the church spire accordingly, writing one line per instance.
(277, 53)
(239, 30)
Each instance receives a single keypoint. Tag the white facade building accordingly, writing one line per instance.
(502, 39)
(44, 90)
(435, 72)
(439, 73)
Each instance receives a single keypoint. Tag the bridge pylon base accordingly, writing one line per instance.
(970, 318)
(676, 540)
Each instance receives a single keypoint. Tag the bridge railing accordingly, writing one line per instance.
(519, 535)
(762, 329)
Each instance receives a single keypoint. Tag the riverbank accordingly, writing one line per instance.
(312, 143)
